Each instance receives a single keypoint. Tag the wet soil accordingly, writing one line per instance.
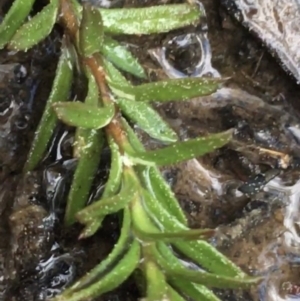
(250, 195)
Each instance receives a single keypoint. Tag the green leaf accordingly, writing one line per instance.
(192, 234)
(142, 224)
(82, 115)
(110, 260)
(91, 31)
(113, 184)
(119, 273)
(147, 231)
(60, 90)
(182, 151)
(112, 204)
(164, 194)
(114, 75)
(199, 251)
(147, 119)
(161, 191)
(174, 296)
(193, 290)
(36, 29)
(121, 57)
(91, 228)
(13, 19)
(213, 280)
(133, 139)
(149, 20)
(88, 148)
(156, 283)
(178, 270)
(153, 180)
(178, 89)
(76, 7)
(85, 171)
(92, 99)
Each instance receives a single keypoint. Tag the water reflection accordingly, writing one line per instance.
(202, 67)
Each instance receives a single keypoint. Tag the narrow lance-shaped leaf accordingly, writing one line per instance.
(194, 290)
(162, 192)
(133, 139)
(147, 119)
(182, 151)
(103, 266)
(91, 228)
(213, 280)
(155, 279)
(13, 19)
(147, 231)
(200, 251)
(112, 204)
(81, 115)
(121, 57)
(113, 74)
(60, 91)
(85, 171)
(150, 20)
(36, 29)
(115, 173)
(91, 31)
(119, 273)
(88, 147)
(154, 181)
(178, 89)
(92, 99)
(208, 279)
(173, 295)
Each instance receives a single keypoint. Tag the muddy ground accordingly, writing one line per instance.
(258, 229)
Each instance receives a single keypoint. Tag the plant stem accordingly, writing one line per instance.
(70, 23)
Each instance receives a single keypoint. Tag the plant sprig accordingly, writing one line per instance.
(153, 222)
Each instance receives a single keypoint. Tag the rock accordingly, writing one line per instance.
(276, 23)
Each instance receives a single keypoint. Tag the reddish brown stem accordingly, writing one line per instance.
(70, 23)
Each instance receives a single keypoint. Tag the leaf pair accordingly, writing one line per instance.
(104, 267)
(200, 251)
(176, 269)
(97, 24)
(132, 100)
(14, 18)
(188, 282)
(93, 40)
(146, 230)
(33, 31)
(175, 153)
